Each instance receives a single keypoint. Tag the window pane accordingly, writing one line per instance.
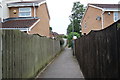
(116, 16)
(24, 9)
(23, 14)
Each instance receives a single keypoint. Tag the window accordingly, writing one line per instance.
(116, 16)
(24, 12)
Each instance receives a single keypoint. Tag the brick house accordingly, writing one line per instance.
(29, 16)
(99, 16)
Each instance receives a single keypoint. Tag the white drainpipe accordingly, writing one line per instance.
(102, 15)
(34, 9)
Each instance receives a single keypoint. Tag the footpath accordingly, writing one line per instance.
(64, 66)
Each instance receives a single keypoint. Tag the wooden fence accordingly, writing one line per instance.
(98, 53)
(24, 55)
(0, 55)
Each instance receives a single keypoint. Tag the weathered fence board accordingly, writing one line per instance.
(118, 48)
(98, 53)
(24, 55)
(0, 55)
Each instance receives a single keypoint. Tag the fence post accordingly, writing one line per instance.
(0, 54)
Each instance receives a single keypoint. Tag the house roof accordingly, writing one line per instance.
(55, 34)
(18, 23)
(26, 3)
(107, 5)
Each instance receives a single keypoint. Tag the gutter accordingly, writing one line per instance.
(21, 4)
(24, 4)
(21, 29)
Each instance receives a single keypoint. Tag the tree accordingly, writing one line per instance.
(74, 27)
(50, 28)
(75, 18)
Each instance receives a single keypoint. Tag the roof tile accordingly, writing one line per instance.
(24, 23)
(107, 5)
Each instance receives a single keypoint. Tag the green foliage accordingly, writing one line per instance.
(118, 25)
(61, 42)
(60, 37)
(50, 28)
(75, 25)
(65, 36)
(69, 29)
(77, 10)
(70, 38)
(75, 18)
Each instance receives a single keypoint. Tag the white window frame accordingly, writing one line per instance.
(25, 12)
(114, 16)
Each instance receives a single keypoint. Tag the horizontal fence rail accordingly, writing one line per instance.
(98, 53)
(24, 55)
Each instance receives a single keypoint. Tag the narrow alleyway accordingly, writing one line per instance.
(64, 66)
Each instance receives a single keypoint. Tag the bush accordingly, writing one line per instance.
(61, 42)
(70, 38)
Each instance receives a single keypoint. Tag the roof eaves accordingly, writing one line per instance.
(21, 4)
(84, 13)
(96, 7)
(48, 11)
(19, 18)
(111, 9)
(21, 29)
(41, 3)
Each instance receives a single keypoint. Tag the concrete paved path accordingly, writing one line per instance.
(64, 66)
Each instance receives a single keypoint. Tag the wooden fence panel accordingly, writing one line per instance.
(97, 53)
(24, 55)
(118, 47)
(0, 53)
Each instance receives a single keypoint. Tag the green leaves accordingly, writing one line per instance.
(50, 28)
(70, 38)
(74, 27)
(75, 18)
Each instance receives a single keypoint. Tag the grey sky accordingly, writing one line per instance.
(60, 10)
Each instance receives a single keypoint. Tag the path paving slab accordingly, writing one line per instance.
(64, 66)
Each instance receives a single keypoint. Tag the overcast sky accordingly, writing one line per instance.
(60, 10)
